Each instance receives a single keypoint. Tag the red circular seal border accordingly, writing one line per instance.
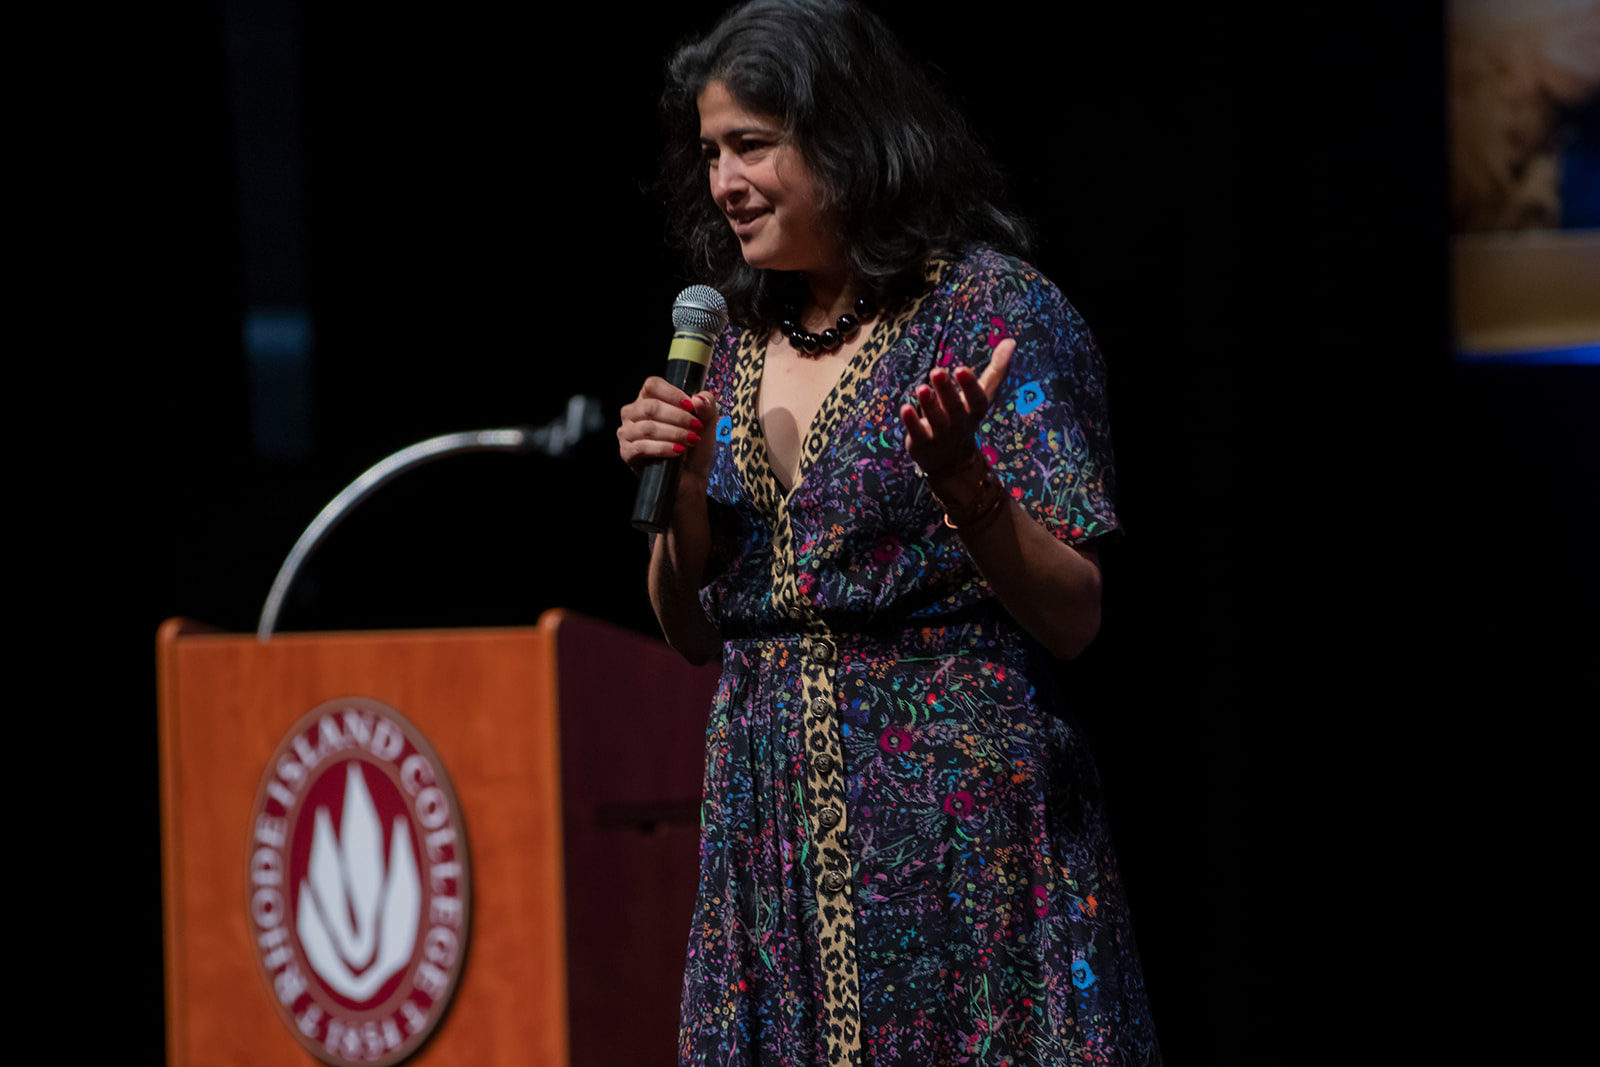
(310, 1023)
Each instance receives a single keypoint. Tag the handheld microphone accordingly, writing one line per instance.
(698, 316)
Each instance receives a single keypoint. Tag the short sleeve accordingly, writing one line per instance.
(1047, 434)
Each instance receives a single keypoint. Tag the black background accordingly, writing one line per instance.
(1353, 608)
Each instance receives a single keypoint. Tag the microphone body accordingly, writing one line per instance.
(698, 315)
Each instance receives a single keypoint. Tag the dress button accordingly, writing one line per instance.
(829, 818)
(822, 651)
(822, 708)
(823, 764)
(833, 881)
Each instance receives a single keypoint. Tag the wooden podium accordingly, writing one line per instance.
(576, 751)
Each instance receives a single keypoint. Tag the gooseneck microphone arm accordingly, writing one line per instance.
(583, 417)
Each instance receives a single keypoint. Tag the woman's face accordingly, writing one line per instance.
(763, 187)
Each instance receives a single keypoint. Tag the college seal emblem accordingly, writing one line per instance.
(359, 888)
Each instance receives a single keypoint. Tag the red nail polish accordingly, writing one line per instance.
(694, 424)
(688, 405)
(694, 439)
(678, 449)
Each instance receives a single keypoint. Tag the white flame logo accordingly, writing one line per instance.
(357, 925)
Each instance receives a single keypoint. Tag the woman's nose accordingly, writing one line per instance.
(727, 177)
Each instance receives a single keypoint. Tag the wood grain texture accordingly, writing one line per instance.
(576, 750)
(486, 700)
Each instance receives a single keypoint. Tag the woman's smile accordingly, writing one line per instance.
(746, 220)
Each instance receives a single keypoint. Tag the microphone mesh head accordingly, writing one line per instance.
(701, 308)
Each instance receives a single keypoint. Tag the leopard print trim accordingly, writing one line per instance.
(825, 785)
(746, 442)
(830, 867)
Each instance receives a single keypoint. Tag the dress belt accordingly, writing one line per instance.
(990, 636)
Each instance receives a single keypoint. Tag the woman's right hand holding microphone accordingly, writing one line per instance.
(666, 423)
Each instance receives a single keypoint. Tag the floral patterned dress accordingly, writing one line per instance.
(904, 858)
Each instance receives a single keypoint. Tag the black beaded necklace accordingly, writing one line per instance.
(811, 344)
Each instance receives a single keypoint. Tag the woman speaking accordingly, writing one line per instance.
(885, 527)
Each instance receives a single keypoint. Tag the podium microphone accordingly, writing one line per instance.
(698, 316)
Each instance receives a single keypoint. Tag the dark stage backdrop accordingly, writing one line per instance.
(1251, 218)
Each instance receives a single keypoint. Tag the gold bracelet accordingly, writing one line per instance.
(984, 504)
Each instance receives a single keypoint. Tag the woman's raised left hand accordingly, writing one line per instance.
(941, 435)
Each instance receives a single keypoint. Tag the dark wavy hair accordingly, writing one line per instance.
(899, 175)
